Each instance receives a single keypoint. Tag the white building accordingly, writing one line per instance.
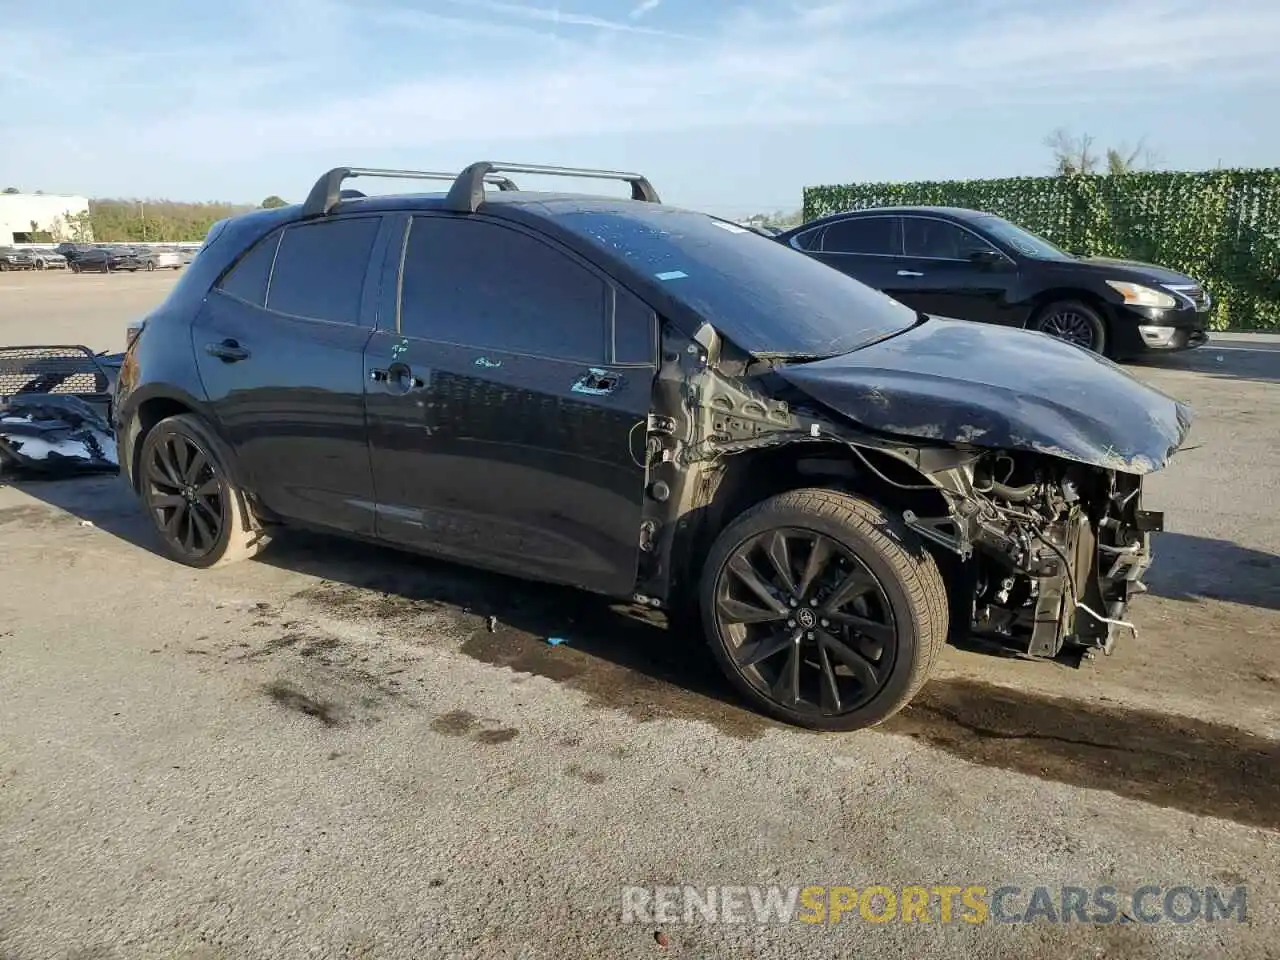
(27, 217)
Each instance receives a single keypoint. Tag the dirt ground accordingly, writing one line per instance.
(327, 752)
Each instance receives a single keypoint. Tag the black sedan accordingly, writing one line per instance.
(105, 260)
(971, 265)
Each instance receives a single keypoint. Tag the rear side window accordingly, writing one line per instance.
(867, 235)
(320, 269)
(247, 280)
(483, 285)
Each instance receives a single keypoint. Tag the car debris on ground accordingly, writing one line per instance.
(55, 410)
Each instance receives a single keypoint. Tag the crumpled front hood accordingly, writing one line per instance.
(1002, 388)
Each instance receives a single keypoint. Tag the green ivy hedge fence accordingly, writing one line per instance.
(1221, 226)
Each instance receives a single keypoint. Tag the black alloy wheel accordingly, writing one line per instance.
(186, 496)
(812, 627)
(1074, 323)
(823, 609)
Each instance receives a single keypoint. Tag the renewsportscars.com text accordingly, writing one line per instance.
(959, 903)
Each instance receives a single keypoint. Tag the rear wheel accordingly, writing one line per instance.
(201, 515)
(822, 610)
(1074, 322)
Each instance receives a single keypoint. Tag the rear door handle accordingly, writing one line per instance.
(398, 378)
(228, 351)
(910, 273)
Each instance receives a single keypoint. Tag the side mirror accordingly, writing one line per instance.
(987, 259)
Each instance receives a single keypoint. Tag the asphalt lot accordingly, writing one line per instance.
(325, 752)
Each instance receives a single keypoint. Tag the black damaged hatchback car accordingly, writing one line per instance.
(971, 265)
(649, 403)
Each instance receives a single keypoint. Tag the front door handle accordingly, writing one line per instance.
(910, 273)
(228, 351)
(597, 383)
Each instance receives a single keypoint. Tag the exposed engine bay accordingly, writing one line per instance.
(1052, 549)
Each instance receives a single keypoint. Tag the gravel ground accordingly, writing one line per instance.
(326, 752)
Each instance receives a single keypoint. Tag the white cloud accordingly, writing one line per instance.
(644, 8)
(325, 77)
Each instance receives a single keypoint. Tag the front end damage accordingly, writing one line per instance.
(1041, 549)
(1050, 551)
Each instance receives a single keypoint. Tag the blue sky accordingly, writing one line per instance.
(731, 107)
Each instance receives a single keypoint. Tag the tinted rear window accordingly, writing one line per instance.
(766, 297)
(320, 267)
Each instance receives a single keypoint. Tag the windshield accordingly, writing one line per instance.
(767, 298)
(1024, 241)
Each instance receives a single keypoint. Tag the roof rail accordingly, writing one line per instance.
(467, 192)
(328, 190)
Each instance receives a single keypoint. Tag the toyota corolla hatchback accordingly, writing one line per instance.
(649, 403)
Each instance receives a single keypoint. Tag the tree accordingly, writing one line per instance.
(273, 201)
(12, 190)
(1074, 155)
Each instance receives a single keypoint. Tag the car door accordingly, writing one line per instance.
(507, 412)
(950, 271)
(864, 246)
(280, 346)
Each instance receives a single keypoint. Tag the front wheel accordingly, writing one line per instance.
(1075, 323)
(201, 515)
(822, 610)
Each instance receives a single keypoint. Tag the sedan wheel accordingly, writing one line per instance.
(1075, 323)
(817, 616)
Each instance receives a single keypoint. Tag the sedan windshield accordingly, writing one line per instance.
(767, 298)
(1024, 241)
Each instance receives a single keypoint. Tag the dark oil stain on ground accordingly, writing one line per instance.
(291, 698)
(500, 735)
(34, 516)
(625, 659)
(593, 777)
(460, 723)
(1202, 768)
(621, 656)
(455, 723)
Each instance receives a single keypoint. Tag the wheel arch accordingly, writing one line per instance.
(748, 478)
(1089, 298)
(147, 411)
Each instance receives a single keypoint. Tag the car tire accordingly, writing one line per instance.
(1073, 322)
(4, 268)
(845, 586)
(200, 513)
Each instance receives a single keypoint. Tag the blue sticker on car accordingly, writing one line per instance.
(672, 275)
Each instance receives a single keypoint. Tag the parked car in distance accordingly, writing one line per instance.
(73, 250)
(11, 258)
(976, 266)
(47, 259)
(157, 258)
(105, 260)
(652, 404)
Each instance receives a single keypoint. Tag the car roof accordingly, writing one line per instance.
(952, 213)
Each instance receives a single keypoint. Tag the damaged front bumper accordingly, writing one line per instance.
(1053, 551)
(55, 410)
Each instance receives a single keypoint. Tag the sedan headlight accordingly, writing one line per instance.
(1136, 295)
